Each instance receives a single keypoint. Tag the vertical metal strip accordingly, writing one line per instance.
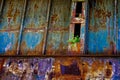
(1, 6)
(21, 27)
(86, 26)
(46, 28)
(114, 36)
(115, 24)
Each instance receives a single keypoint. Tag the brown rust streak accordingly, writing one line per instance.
(17, 13)
(28, 52)
(62, 50)
(22, 48)
(9, 30)
(54, 29)
(34, 29)
(84, 67)
(99, 14)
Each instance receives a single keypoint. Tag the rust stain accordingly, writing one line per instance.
(39, 47)
(99, 15)
(62, 50)
(24, 50)
(16, 14)
(87, 70)
(49, 49)
(35, 6)
(9, 52)
(10, 30)
(56, 29)
(34, 29)
(54, 18)
(10, 9)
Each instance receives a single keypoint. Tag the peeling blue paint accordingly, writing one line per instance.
(32, 39)
(101, 26)
(7, 41)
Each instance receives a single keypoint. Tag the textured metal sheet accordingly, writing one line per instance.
(9, 25)
(107, 68)
(35, 23)
(11, 15)
(101, 26)
(8, 42)
(37, 68)
(59, 27)
(118, 26)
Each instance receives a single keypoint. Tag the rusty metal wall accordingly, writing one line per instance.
(24, 25)
(35, 23)
(58, 31)
(35, 27)
(10, 21)
(101, 26)
(118, 26)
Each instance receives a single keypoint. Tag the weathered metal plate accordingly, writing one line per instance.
(8, 43)
(36, 68)
(35, 23)
(107, 68)
(59, 27)
(32, 43)
(101, 26)
(61, 68)
(9, 26)
(11, 15)
(118, 26)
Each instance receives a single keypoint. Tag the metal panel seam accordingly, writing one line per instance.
(1, 6)
(48, 21)
(86, 25)
(21, 28)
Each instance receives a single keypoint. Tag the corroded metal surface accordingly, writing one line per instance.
(79, 47)
(61, 68)
(59, 27)
(101, 26)
(107, 68)
(118, 25)
(9, 25)
(35, 24)
(33, 28)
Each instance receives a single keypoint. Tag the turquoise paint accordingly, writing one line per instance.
(99, 42)
(56, 37)
(118, 39)
(7, 41)
(65, 38)
(118, 25)
(91, 42)
(32, 39)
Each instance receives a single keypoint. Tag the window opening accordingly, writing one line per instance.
(78, 9)
(77, 30)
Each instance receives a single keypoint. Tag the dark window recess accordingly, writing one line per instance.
(77, 30)
(78, 9)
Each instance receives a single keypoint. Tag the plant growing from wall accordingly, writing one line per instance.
(74, 44)
(74, 40)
